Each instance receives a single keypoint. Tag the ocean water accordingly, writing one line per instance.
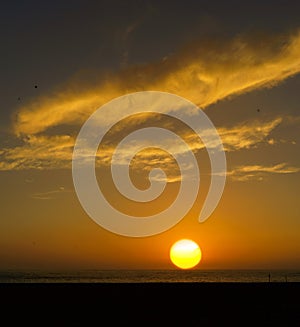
(149, 276)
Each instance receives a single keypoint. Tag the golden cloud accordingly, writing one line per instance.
(39, 152)
(204, 74)
(55, 152)
(245, 173)
(248, 134)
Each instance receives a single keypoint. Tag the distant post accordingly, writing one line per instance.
(269, 277)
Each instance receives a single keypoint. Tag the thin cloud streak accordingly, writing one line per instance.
(257, 172)
(55, 152)
(49, 195)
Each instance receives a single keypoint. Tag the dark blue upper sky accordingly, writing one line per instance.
(45, 43)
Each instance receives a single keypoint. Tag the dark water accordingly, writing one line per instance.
(149, 276)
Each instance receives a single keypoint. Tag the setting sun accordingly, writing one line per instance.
(185, 254)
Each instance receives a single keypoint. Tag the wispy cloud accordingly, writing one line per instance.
(245, 135)
(257, 172)
(204, 73)
(38, 152)
(49, 195)
(248, 134)
(55, 152)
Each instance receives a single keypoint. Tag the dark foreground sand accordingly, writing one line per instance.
(180, 304)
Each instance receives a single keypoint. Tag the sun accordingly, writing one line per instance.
(185, 254)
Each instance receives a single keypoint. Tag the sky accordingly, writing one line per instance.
(237, 61)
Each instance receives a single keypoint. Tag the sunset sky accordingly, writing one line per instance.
(238, 61)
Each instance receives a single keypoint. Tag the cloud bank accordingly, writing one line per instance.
(55, 152)
(203, 73)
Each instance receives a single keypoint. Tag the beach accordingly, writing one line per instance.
(181, 304)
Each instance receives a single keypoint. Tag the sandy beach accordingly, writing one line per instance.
(182, 304)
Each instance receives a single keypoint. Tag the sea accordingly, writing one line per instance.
(150, 276)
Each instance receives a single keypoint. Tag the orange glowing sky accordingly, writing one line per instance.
(246, 79)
